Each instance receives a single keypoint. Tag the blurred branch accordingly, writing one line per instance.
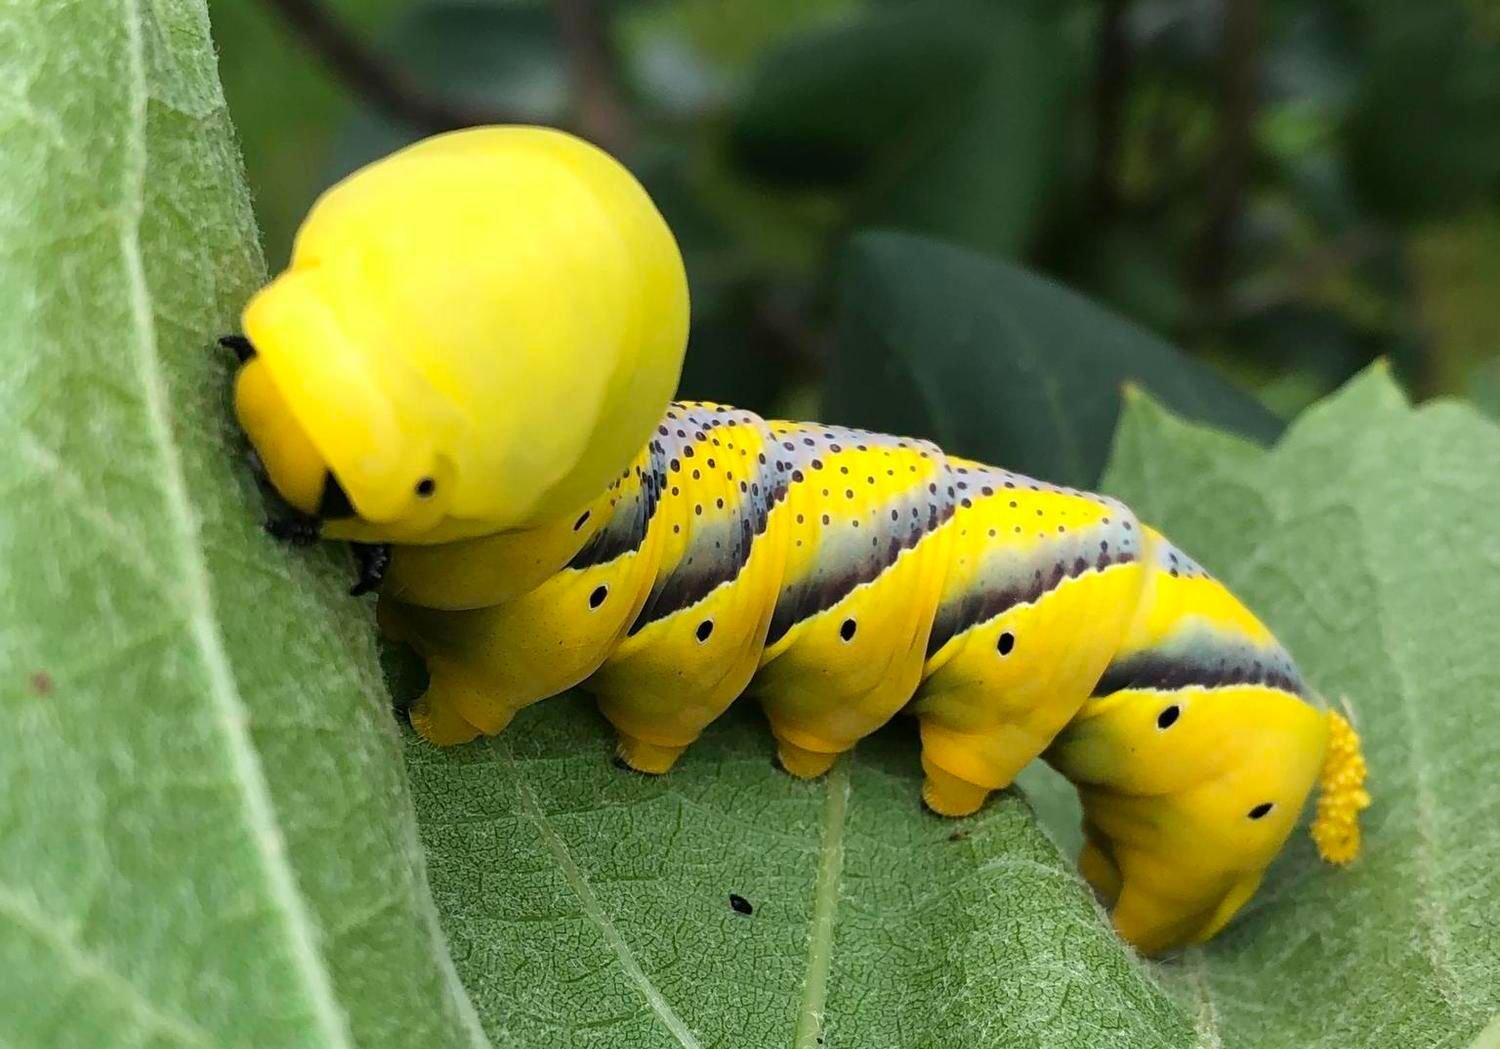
(602, 115)
(1299, 278)
(384, 86)
(1112, 67)
(1229, 171)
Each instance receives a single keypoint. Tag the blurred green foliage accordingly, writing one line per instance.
(1285, 190)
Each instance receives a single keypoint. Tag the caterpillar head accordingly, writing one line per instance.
(474, 334)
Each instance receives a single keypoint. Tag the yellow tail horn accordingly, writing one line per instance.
(1341, 793)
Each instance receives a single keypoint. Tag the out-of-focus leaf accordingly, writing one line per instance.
(1130, 269)
(506, 59)
(208, 839)
(686, 56)
(1293, 354)
(591, 907)
(1456, 269)
(733, 359)
(1425, 134)
(942, 117)
(1366, 538)
(996, 363)
(1484, 388)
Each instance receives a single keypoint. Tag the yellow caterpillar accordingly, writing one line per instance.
(838, 576)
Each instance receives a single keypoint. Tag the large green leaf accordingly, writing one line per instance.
(1367, 539)
(588, 906)
(1001, 365)
(207, 836)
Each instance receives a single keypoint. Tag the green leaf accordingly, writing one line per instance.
(1366, 539)
(588, 906)
(208, 839)
(942, 116)
(1424, 135)
(1001, 365)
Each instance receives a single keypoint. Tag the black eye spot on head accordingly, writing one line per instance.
(705, 628)
(1167, 718)
(846, 631)
(597, 597)
(1261, 810)
(1006, 644)
(426, 486)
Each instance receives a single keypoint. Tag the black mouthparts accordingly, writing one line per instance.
(239, 344)
(334, 502)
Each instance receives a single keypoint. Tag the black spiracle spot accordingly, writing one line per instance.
(597, 597)
(426, 486)
(1261, 810)
(1167, 718)
(1006, 643)
(582, 520)
(846, 631)
(705, 628)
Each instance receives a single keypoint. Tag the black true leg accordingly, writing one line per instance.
(300, 530)
(373, 560)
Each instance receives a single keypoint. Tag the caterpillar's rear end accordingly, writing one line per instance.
(840, 576)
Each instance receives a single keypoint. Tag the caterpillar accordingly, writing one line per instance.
(837, 576)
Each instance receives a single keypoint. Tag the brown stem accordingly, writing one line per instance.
(375, 81)
(1229, 171)
(1112, 69)
(602, 116)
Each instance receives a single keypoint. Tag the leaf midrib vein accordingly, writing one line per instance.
(532, 810)
(223, 691)
(826, 890)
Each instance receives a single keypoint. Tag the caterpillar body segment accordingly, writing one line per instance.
(839, 577)
(1192, 757)
(698, 638)
(494, 569)
(1038, 591)
(836, 576)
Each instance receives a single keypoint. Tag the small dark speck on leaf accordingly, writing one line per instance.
(740, 904)
(958, 835)
(41, 683)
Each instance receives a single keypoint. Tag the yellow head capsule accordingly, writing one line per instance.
(475, 334)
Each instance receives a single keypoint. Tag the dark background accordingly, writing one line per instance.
(1284, 191)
